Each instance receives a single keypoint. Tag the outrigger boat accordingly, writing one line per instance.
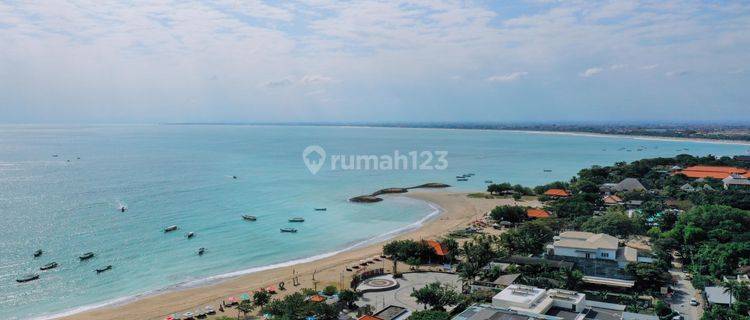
(201, 251)
(100, 270)
(297, 219)
(87, 255)
(38, 253)
(249, 217)
(321, 209)
(190, 235)
(462, 179)
(289, 230)
(28, 277)
(48, 266)
(170, 229)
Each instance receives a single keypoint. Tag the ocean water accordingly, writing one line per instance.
(182, 175)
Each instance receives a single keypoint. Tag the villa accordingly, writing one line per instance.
(585, 245)
(557, 193)
(537, 300)
(612, 200)
(534, 213)
(736, 181)
(626, 185)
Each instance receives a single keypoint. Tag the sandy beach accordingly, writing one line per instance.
(457, 211)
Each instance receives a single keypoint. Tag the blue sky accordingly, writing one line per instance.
(310, 60)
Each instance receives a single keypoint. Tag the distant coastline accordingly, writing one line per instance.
(635, 132)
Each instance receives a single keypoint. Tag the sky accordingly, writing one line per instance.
(310, 60)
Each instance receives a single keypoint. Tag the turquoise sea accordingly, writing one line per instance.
(182, 175)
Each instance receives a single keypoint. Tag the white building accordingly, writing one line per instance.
(585, 245)
(537, 300)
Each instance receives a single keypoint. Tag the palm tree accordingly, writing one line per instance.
(734, 288)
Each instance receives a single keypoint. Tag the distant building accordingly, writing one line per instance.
(716, 172)
(537, 300)
(612, 200)
(736, 181)
(626, 185)
(717, 295)
(585, 245)
(534, 213)
(390, 312)
(638, 316)
(557, 193)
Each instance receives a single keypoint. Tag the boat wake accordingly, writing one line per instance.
(436, 210)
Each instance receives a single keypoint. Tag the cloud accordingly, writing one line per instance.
(591, 72)
(513, 76)
(314, 79)
(617, 66)
(306, 80)
(677, 73)
(278, 83)
(737, 71)
(649, 67)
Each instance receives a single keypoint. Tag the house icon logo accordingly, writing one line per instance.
(314, 157)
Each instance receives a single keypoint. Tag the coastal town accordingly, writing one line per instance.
(663, 238)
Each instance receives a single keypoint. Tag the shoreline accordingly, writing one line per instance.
(551, 132)
(452, 210)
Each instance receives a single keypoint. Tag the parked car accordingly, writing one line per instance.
(693, 302)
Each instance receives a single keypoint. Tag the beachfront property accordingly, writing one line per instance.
(557, 193)
(519, 302)
(626, 185)
(587, 245)
(731, 177)
(612, 200)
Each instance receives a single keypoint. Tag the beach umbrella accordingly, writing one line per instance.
(271, 289)
(245, 297)
(169, 318)
(232, 299)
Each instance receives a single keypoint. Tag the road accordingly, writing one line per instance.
(680, 301)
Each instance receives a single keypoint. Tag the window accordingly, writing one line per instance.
(605, 254)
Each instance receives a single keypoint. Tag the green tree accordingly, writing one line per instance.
(429, 315)
(529, 238)
(615, 223)
(648, 276)
(436, 295)
(497, 189)
(330, 290)
(513, 214)
(261, 298)
(348, 297)
(245, 307)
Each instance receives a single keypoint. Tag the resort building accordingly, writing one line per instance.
(585, 245)
(557, 193)
(626, 185)
(534, 213)
(716, 172)
(736, 181)
(537, 300)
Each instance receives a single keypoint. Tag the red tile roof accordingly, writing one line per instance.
(536, 213)
(317, 298)
(439, 249)
(368, 317)
(716, 172)
(612, 199)
(557, 193)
